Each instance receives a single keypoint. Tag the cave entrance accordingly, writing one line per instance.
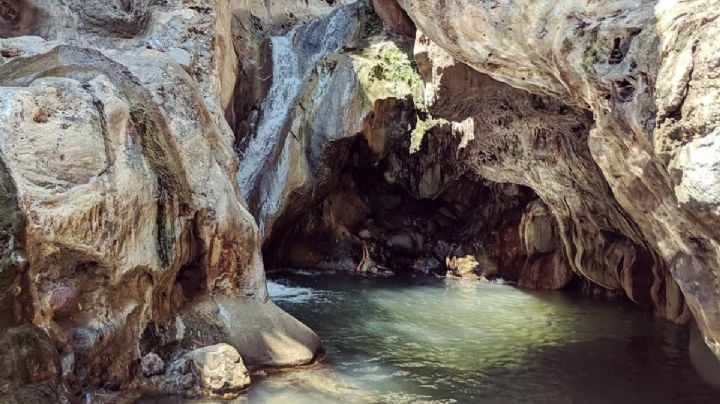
(401, 213)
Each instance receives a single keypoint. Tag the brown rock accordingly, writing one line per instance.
(394, 17)
(546, 272)
(64, 301)
(537, 229)
(28, 356)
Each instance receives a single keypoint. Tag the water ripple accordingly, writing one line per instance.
(456, 341)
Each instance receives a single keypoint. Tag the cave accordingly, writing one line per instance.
(389, 216)
(359, 200)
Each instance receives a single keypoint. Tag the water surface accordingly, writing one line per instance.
(455, 341)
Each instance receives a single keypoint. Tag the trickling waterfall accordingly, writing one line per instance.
(286, 85)
(294, 56)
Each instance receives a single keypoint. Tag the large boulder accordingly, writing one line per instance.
(219, 369)
(267, 337)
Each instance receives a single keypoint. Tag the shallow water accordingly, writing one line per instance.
(446, 341)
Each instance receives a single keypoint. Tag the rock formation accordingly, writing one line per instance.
(553, 143)
(215, 371)
(120, 206)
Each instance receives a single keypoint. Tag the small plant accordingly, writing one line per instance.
(596, 52)
(417, 135)
(396, 68)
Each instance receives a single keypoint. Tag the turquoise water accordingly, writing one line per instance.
(456, 341)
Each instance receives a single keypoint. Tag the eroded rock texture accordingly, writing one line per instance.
(120, 205)
(215, 371)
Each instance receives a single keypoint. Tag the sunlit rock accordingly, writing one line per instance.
(220, 370)
(268, 336)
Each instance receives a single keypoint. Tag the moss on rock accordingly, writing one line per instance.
(417, 135)
(386, 70)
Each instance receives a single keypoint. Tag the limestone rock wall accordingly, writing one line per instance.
(536, 141)
(311, 89)
(120, 204)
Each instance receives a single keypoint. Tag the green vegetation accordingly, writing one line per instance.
(373, 26)
(417, 135)
(396, 68)
(386, 70)
(596, 52)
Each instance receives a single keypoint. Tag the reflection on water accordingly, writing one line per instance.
(453, 341)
